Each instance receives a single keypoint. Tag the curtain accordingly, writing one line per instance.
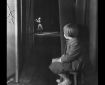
(29, 21)
(29, 13)
(93, 32)
(27, 27)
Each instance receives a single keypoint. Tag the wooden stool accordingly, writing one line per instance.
(74, 77)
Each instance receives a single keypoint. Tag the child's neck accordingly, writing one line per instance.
(67, 37)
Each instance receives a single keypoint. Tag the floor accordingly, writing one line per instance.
(35, 69)
(36, 66)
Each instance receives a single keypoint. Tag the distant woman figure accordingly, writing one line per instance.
(40, 27)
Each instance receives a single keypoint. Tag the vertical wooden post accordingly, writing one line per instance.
(93, 31)
(16, 41)
(61, 30)
(75, 78)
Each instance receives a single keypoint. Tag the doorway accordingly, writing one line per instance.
(48, 10)
(37, 51)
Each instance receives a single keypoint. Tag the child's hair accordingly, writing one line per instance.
(70, 30)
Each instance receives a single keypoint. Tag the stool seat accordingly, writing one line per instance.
(76, 66)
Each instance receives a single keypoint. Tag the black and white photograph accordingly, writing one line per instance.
(52, 42)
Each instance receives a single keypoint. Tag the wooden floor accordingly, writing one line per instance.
(36, 70)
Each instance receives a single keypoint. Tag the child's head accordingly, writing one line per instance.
(70, 30)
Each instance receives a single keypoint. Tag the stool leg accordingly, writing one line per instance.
(75, 79)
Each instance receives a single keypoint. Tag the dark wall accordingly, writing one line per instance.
(67, 11)
(67, 15)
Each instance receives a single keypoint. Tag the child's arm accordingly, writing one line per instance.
(64, 58)
(56, 60)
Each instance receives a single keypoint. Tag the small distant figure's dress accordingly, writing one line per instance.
(40, 28)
